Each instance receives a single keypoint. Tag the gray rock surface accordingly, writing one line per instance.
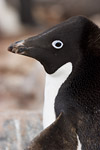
(18, 128)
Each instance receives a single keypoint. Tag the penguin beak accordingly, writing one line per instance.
(34, 47)
(18, 47)
(29, 47)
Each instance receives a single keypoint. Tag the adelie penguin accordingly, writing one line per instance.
(77, 104)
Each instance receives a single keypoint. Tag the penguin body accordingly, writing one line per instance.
(76, 40)
(79, 99)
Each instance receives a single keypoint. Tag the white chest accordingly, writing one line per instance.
(52, 85)
(79, 146)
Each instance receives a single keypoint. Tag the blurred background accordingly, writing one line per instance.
(22, 79)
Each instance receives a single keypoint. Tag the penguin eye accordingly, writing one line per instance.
(57, 44)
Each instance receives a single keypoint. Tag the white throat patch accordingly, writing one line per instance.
(52, 85)
(79, 146)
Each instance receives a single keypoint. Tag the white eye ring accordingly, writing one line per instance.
(57, 44)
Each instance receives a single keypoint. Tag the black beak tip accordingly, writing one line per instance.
(10, 48)
(17, 47)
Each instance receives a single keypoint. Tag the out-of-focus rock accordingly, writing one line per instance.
(18, 128)
(54, 11)
(96, 19)
(21, 88)
(21, 80)
(9, 20)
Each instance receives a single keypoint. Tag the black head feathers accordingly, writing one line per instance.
(65, 42)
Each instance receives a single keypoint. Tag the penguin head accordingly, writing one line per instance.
(63, 43)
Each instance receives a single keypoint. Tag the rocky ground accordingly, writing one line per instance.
(21, 79)
(18, 128)
(21, 98)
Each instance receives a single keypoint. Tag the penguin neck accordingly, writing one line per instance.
(61, 72)
(88, 69)
(86, 80)
(52, 85)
